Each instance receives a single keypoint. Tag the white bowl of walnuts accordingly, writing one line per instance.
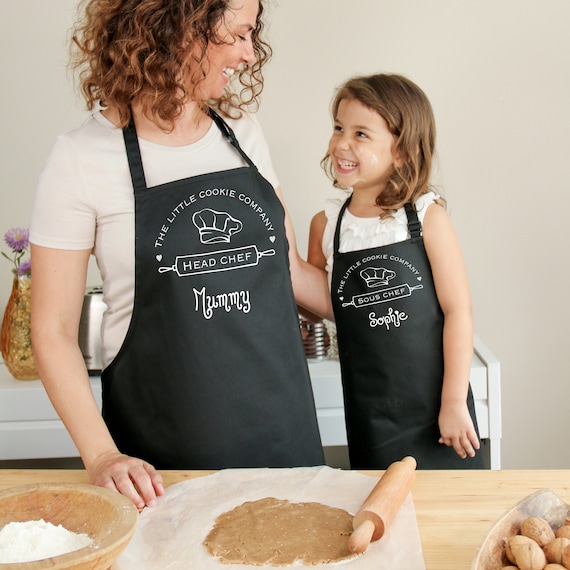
(533, 535)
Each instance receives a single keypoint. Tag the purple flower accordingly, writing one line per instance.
(17, 239)
(25, 268)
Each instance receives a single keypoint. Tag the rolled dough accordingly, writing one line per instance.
(277, 532)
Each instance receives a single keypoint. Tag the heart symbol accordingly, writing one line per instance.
(272, 239)
(341, 298)
(419, 278)
(159, 257)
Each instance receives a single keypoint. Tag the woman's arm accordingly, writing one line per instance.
(58, 288)
(452, 288)
(310, 284)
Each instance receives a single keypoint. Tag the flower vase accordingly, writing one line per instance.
(16, 334)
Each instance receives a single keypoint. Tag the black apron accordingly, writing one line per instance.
(390, 337)
(212, 372)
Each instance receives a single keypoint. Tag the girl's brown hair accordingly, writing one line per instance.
(127, 49)
(409, 115)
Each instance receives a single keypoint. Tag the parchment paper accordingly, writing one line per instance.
(170, 535)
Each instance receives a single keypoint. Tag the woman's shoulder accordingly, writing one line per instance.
(82, 144)
(95, 131)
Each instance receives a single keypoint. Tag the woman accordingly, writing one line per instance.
(203, 360)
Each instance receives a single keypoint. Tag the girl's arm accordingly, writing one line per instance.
(58, 288)
(310, 283)
(316, 257)
(452, 288)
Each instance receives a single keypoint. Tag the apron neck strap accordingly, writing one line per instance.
(134, 152)
(134, 156)
(338, 223)
(414, 225)
(229, 134)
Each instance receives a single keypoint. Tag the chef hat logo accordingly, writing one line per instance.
(377, 276)
(215, 227)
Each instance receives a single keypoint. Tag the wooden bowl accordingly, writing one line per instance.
(544, 503)
(109, 518)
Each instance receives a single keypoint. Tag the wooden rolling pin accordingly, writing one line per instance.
(382, 504)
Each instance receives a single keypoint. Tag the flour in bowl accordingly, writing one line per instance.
(36, 540)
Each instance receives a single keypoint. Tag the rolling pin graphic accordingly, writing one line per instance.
(222, 260)
(382, 504)
(382, 296)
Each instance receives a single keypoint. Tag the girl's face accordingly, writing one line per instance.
(232, 49)
(361, 147)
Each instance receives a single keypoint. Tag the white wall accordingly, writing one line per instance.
(498, 75)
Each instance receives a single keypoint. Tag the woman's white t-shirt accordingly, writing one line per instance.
(361, 233)
(84, 199)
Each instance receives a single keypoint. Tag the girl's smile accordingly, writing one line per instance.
(346, 166)
(361, 147)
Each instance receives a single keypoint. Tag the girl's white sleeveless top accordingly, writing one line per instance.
(361, 233)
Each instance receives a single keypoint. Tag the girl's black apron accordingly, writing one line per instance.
(212, 372)
(390, 337)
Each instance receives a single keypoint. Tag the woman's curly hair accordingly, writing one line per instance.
(409, 115)
(127, 49)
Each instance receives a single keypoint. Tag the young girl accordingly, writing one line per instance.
(398, 283)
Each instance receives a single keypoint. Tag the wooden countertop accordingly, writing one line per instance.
(454, 509)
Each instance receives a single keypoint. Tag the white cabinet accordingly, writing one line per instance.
(30, 428)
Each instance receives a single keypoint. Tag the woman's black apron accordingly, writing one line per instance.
(212, 372)
(390, 337)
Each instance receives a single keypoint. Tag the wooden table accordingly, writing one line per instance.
(454, 509)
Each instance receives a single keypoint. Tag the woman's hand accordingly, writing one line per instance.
(132, 477)
(457, 429)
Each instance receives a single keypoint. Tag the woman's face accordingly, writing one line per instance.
(232, 49)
